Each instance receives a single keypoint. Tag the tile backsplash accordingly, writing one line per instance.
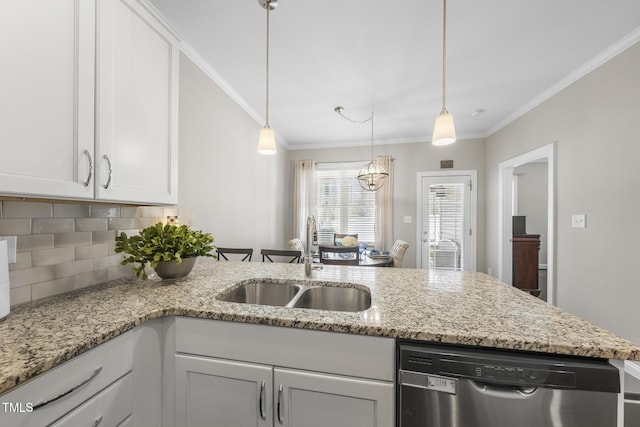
(66, 246)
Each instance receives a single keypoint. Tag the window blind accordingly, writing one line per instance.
(446, 225)
(342, 205)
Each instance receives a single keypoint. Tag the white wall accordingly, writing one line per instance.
(236, 194)
(409, 160)
(595, 123)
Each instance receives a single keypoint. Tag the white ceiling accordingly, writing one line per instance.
(503, 56)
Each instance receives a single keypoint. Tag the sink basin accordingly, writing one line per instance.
(265, 293)
(334, 298)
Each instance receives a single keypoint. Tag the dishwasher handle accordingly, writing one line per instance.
(503, 391)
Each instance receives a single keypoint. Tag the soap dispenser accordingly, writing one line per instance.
(4, 280)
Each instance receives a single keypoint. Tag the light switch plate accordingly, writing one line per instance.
(12, 244)
(579, 221)
(408, 219)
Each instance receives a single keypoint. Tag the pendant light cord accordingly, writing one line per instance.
(444, 56)
(267, 66)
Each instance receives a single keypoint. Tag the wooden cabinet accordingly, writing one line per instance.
(230, 374)
(525, 261)
(72, 129)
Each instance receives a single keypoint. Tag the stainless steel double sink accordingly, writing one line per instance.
(300, 295)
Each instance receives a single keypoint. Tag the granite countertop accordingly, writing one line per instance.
(448, 307)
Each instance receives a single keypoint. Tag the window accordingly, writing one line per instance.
(342, 205)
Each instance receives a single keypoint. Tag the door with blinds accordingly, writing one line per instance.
(447, 220)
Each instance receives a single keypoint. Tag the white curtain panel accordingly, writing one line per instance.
(384, 206)
(304, 197)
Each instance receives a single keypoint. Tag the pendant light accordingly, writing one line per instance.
(267, 141)
(444, 132)
(372, 176)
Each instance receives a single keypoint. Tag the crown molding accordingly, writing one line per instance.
(597, 61)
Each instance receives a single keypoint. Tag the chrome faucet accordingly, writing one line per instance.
(312, 239)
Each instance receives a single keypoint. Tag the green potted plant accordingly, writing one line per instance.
(170, 250)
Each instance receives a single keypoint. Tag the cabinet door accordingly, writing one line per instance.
(137, 94)
(47, 97)
(305, 399)
(221, 393)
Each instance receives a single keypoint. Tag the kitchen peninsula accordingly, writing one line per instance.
(470, 309)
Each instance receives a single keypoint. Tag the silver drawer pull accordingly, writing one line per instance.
(86, 183)
(104, 156)
(97, 421)
(71, 390)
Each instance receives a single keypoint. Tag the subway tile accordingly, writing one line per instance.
(70, 210)
(15, 227)
(144, 222)
(111, 248)
(141, 211)
(119, 223)
(106, 262)
(103, 236)
(52, 287)
(61, 240)
(130, 211)
(30, 276)
(105, 211)
(52, 225)
(23, 260)
(15, 209)
(91, 278)
(91, 224)
(19, 295)
(52, 256)
(73, 268)
(121, 272)
(91, 251)
(34, 242)
(0, 208)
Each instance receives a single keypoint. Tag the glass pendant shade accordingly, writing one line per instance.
(267, 141)
(372, 176)
(444, 133)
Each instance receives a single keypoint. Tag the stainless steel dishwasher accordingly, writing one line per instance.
(460, 387)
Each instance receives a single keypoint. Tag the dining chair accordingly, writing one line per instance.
(296, 256)
(336, 255)
(397, 252)
(337, 238)
(223, 252)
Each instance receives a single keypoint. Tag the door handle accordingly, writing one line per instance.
(106, 186)
(261, 402)
(280, 419)
(88, 180)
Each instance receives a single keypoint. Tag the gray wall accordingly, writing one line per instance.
(409, 160)
(595, 124)
(236, 194)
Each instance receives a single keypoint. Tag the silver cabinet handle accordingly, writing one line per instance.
(97, 421)
(261, 402)
(104, 156)
(88, 154)
(71, 390)
(280, 419)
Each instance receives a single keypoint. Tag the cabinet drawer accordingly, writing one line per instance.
(319, 351)
(68, 385)
(109, 408)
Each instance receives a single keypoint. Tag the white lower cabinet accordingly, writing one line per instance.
(214, 392)
(235, 374)
(96, 383)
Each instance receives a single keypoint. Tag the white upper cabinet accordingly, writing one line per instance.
(88, 102)
(137, 106)
(47, 97)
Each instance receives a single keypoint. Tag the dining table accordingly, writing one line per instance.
(367, 260)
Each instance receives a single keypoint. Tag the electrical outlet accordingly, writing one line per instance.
(12, 244)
